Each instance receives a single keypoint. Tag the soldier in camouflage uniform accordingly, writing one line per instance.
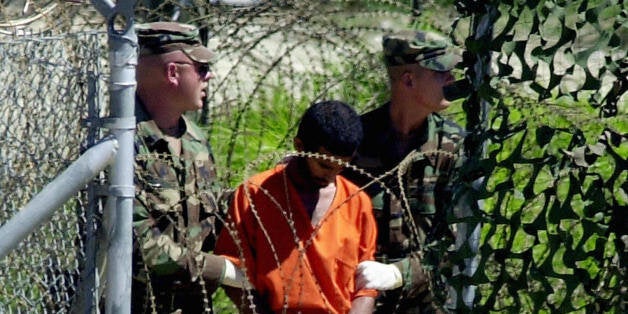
(175, 211)
(423, 150)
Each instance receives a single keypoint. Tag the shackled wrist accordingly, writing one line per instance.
(214, 268)
(406, 272)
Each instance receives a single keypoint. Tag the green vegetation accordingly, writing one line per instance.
(254, 135)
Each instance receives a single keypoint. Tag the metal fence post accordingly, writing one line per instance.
(122, 60)
(88, 297)
(53, 195)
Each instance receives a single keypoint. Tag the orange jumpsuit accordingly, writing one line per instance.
(301, 268)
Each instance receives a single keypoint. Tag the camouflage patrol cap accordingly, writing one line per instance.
(428, 49)
(163, 37)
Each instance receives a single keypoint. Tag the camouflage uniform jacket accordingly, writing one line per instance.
(174, 215)
(415, 223)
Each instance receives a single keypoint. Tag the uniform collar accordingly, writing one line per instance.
(148, 129)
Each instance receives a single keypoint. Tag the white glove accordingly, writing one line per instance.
(234, 276)
(378, 276)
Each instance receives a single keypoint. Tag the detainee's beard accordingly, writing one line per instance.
(300, 175)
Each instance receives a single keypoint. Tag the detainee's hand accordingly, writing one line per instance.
(378, 276)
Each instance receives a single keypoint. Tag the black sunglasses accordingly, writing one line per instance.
(201, 68)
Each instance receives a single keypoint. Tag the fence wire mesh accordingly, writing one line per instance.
(49, 84)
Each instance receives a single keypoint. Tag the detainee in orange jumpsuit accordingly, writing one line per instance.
(302, 229)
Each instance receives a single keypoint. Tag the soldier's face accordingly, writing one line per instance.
(429, 88)
(193, 82)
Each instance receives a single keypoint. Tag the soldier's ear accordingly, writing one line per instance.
(172, 73)
(407, 79)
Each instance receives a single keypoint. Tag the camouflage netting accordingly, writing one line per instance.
(554, 237)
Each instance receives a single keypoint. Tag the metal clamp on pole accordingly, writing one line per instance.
(118, 123)
(111, 123)
(122, 191)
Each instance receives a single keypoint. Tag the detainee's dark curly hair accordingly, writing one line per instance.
(333, 125)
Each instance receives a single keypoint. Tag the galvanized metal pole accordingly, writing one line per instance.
(55, 194)
(87, 297)
(122, 60)
(477, 109)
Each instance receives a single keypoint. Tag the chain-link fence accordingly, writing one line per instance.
(50, 84)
